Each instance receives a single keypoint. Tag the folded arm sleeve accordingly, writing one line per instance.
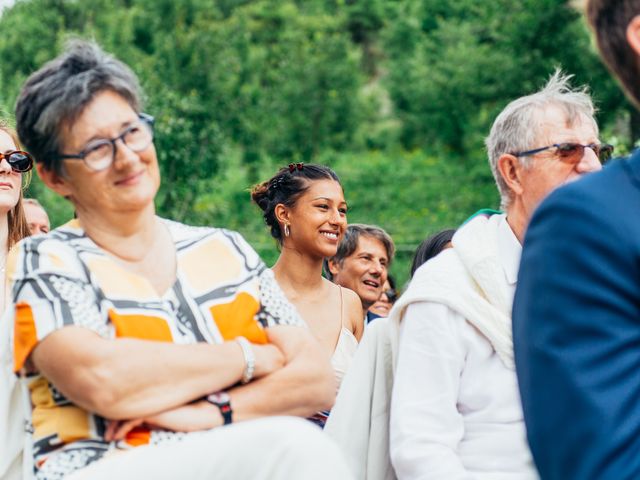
(426, 426)
(50, 290)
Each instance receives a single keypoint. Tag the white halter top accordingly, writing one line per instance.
(345, 348)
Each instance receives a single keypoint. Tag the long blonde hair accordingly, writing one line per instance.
(17, 222)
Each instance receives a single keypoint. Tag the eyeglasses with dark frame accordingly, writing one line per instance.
(19, 161)
(100, 154)
(391, 294)
(573, 152)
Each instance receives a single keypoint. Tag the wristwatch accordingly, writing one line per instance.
(223, 402)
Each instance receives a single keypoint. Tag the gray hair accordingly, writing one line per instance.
(516, 130)
(349, 243)
(32, 201)
(55, 95)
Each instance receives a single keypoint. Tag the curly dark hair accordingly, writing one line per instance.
(286, 187)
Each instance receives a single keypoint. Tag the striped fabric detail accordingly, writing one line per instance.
(222, 291)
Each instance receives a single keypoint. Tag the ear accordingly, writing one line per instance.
(53, 180)
(633, 34)
(282, 214)
(511, 169)
(333, 267)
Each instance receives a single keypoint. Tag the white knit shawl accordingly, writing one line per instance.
(470, 280)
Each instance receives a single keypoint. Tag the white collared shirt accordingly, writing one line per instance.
(510, 251)
(456, 411)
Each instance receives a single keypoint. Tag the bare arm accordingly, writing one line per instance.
(305, 385)
(130, 378)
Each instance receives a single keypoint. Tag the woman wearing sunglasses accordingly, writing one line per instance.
(304, 207)
(13, 228)
(13, 224)
(135, 331)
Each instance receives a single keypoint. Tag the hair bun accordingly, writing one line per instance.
(260, 194)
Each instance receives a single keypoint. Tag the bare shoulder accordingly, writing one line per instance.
(354, 315)
(351, 298)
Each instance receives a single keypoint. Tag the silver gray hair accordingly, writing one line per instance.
(516, 129)
(57, 93)
(32, 201)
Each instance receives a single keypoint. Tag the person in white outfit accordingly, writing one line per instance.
(14, 162)
(455, 410)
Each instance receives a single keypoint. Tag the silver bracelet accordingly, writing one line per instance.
(249, 359)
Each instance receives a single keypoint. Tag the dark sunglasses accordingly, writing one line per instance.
(392, 295)
(573, 152)
(19, 161)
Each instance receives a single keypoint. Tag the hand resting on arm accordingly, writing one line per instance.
(131, 378)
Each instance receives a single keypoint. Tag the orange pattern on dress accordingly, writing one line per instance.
(144, 327)
(237, 318)
(138, 436)
(25, 336)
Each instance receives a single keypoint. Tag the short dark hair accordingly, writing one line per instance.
(609, 20)
(56, 94)
(349, 243)
(286, 187)
(430, 247)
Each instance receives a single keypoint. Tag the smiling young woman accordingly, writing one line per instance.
(305, 208)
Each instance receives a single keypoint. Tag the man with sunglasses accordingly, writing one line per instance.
(576, 317)
(455, 408)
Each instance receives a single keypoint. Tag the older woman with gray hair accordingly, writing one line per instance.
(456, 412)
(135, 331)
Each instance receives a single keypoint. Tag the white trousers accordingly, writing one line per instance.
(270, 448)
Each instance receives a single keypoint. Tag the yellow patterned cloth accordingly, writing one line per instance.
(222, 291)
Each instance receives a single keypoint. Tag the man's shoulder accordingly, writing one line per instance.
(608, 197)
(597, 214)
(620, 180)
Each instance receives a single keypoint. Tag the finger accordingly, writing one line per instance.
(126, 427)
(112, 426)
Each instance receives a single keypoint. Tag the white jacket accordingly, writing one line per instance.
(359, 420)
(13, 439)
(469, 280)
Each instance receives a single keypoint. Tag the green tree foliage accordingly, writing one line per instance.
(454, 65)
(395, 95)
(262, 76)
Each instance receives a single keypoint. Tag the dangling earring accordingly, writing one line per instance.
(287, 232)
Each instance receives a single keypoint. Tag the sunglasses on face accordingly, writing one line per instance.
(18, 160)
(573, 152)
(391, 294)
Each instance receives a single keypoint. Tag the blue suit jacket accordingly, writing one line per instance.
(576, 321)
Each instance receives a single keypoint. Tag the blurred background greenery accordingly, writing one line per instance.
(395, 95)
